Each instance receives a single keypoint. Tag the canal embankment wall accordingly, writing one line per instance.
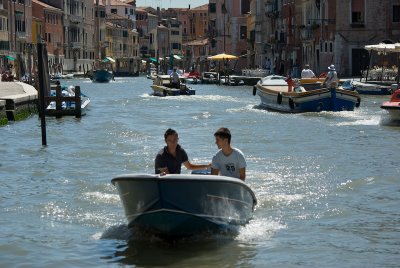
(17, 100)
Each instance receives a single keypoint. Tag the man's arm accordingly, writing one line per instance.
(242, 174)
(214, 171)
(191, 166)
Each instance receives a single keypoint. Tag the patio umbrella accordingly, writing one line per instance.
(223, 56)
(381, 47)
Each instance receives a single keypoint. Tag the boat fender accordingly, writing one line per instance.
(358, 102)
(164, 92)
(291, 103)
(254, 90)
(279, 98)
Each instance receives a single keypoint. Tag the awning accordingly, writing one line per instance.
(10, 57)
(108, 59)
(177, 57)
(153, 59)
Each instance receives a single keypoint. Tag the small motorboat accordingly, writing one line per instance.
(178, 205)
(209, 78)
(162, 86)
(275, 95)
(393, 106)
(192, 77)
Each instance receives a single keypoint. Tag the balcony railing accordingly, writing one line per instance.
(20, 35)
(75, 19)
(76, 44)
(306, 33)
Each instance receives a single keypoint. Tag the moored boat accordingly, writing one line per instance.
(209, 78)
(393, 106)
(102, 76)
(371, 89)
(67, 106)
(275, 95)
(183, 205)
(162, 86)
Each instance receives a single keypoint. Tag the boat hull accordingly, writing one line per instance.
(310, 101)
(371, 89)
(102, 76)
(393, 108)
(184, 205)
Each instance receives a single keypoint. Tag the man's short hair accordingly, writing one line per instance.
(223, 133)
(169, 132)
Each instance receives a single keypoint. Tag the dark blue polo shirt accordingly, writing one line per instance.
(165, 159)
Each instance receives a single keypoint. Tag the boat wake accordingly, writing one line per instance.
(255, 230)
(388, 121)
(259, 230)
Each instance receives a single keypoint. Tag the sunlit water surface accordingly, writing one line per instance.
(327, 183)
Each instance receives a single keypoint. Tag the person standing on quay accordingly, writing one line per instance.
(228, 161)
(169, 160)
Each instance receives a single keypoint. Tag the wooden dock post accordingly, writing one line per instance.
(58, 102)
(78, 112)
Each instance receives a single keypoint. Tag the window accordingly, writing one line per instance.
(245, 6)
(113, 11)
(243, 32)
(212, 8)
(396, 13)
(176, 46)
(357, 11)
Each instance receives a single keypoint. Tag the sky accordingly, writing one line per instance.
(171, 3)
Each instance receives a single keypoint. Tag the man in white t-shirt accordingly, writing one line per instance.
(307, 72)
(228, 161)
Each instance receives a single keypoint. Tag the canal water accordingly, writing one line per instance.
(327, 183)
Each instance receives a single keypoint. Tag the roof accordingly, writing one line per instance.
(203, 7)
(46, 6)
(120, 3)
(201, 42)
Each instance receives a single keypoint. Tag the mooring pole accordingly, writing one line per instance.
(41, 90)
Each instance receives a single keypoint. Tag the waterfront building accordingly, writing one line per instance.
(47, 26)
(100, 31)
(122, 36)
(4, 36)
(228, 28)
(365, 23)
(196, 53)
(122, 44)
(79, 35)
(196, 48)
(146, 21)
(19, 33)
